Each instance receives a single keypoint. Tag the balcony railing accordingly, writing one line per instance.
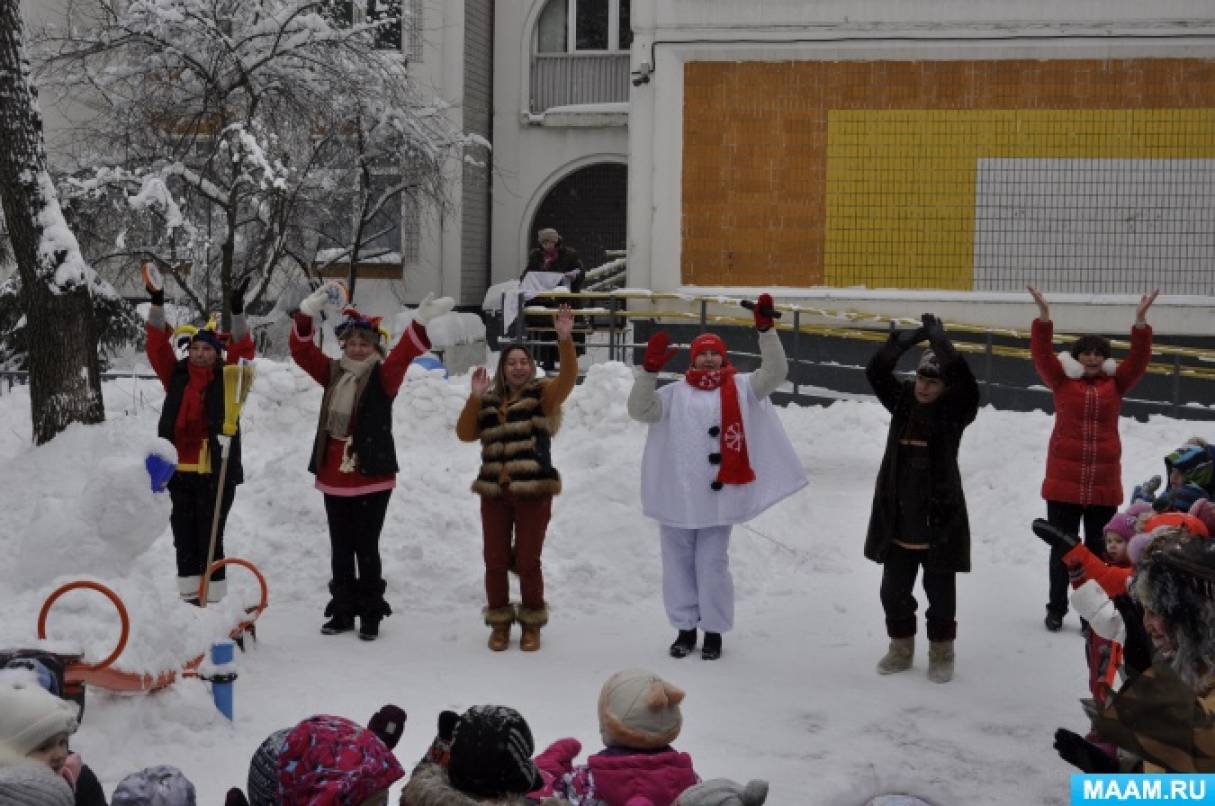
(561, 79)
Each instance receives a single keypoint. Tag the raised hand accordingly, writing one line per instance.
(763, 310)
(906, 339)
(1145, 302)
(1054, 536)
(318, 299)
(564, 323)
(1043, 307)
(153, 282)
(479, 383)
(430, 308)
(658, 351)
(933, 327)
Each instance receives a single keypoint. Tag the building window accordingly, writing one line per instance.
(345, 13)
(591, 25)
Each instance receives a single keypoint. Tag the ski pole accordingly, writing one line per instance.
(238, 380)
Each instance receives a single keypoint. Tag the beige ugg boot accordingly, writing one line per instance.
(940, 661)
(897, 657)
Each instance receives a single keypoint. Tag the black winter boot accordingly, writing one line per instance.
(340, 609)
(711, 649)
(371, 607)
(684, 643)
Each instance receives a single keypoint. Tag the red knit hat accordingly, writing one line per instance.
(708, 342)
(331, 761)
(1179, 519)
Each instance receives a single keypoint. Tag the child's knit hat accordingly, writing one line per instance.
(29, 714)
(639, 710)
(155, 786)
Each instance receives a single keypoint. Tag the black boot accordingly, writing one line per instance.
(711, 650)
(684, 643)
(371, 607)
(340, 609)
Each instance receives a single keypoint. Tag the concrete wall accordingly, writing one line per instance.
(671, 35)
(530, 156)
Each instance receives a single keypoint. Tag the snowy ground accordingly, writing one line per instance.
(794, 699)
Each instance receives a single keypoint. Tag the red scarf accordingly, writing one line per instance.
(191, 426)
(735, 465)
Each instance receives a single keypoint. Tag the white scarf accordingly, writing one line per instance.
(342, 397)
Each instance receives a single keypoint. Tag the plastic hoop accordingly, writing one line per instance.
(243, 563)
(109, 594)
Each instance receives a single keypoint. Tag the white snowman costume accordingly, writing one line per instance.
(677, 481)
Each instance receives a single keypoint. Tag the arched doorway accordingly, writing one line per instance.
(588, 208)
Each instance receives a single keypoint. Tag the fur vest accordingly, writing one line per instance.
(516, 445)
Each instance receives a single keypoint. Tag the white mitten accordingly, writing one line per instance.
(431, 308)
(331, 293)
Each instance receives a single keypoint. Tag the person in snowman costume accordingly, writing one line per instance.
(716, 455)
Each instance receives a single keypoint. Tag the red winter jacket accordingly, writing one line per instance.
(1083, 463)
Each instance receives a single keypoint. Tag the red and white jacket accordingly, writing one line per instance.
(1084, 461)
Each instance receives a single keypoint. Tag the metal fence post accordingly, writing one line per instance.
(797, 347)
(1176, 410)
(520, 325)
(704, 313)
(612, 329)
(987, 352)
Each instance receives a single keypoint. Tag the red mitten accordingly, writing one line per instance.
(556, 761)
(657, 352)
(762, 311)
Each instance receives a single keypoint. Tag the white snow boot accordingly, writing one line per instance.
(940, 661)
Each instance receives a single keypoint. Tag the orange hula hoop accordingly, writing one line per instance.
(264, 596)
(109, 594)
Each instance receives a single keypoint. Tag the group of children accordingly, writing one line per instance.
(485, 755)
(1115, 636)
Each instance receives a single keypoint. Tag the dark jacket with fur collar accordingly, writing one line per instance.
(516, 445)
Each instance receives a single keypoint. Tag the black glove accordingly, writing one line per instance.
(906, 339)
(1083, 754)
(238, 294)
(933, 329)
(1054, 536)
(1137, 648)
(440, 749)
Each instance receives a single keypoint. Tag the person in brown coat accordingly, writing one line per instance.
(516, 416)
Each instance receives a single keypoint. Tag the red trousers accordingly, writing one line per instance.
(527, 519)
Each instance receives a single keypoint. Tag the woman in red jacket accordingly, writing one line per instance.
(1083, 463)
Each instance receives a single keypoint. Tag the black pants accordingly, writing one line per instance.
(898, 582)
(355, 523)
(1068, 517)
(193, 496)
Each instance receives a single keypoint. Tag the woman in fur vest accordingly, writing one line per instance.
(353, 455)
(1083, 463)
(516, 416)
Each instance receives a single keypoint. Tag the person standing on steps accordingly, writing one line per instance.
(353, 455)
(515, 416)
(561, 265)
(192, 419)
(919, 516)
(715, 455)
(1083, 481)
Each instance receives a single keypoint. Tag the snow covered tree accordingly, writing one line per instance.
(229, 135)
(56, 284)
